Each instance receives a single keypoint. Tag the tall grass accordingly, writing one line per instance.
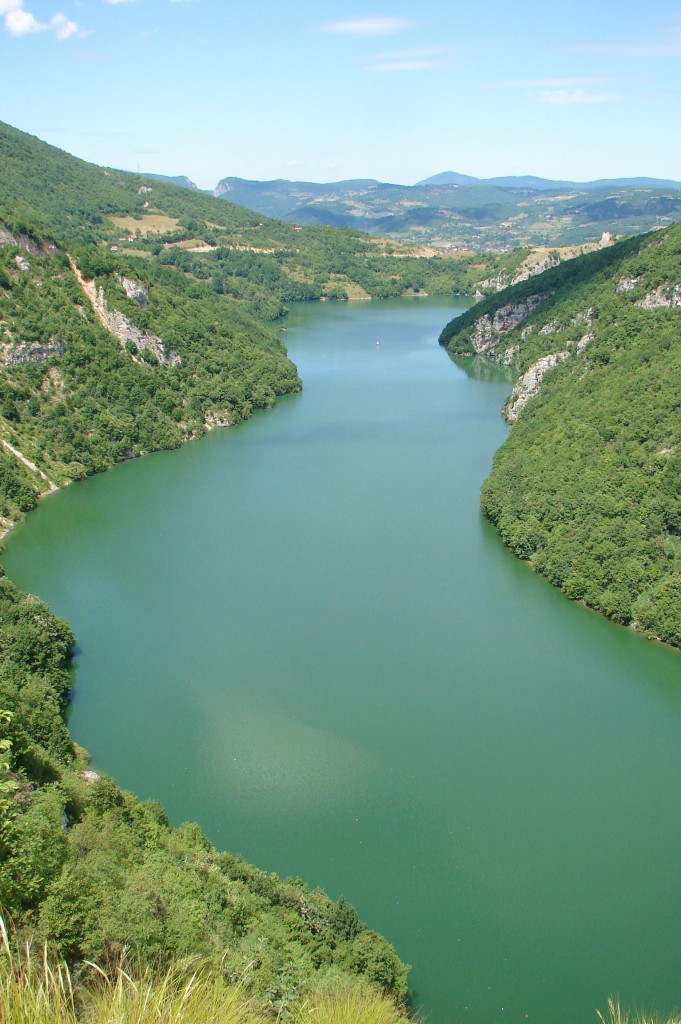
(344, 1002)
(36, 989)
(617, 1015)
(31, 990)
(178, 996)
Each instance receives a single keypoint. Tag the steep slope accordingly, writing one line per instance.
(587, 486)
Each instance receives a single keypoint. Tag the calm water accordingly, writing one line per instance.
(300, 633)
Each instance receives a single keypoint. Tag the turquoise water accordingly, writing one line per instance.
(300, 633)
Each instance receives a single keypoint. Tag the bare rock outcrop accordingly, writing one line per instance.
(21, 241)
(532, 265)
(530, 382)
(489, 329)
(24, 241)
(120, 326)
(665, 295)
(17, 353)
(216, 418)
(126, 331)
(135, 290)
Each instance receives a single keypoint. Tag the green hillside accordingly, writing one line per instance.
(587, 486)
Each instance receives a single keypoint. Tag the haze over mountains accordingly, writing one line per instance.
(450, 178)
(458, 211)
(531, 181)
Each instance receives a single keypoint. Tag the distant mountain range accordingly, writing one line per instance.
(547, 184)
(452, 210)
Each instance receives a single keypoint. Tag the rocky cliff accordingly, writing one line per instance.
(129, 334)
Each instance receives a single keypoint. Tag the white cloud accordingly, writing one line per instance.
(118, 1)
(19, 22)
(376, 26)
(575, 97)
(408, 60)
(63, 27)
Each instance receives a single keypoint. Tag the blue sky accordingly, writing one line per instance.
(389, 90)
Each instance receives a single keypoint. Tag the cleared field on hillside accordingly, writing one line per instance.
(146, 224)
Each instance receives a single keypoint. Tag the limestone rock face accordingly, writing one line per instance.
(530, 382)
(489, 330)
(25, 242)
(628, 283)
(531, 266)
(18, 353)
(126, 331)
(135, 290)
(665, 295)
(216, 418)
(20, 241)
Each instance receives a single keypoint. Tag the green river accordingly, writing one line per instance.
(301, 633)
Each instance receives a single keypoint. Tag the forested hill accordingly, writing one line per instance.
(587, 486)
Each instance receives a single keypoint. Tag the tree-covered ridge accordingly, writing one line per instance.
(75, 399)
(587, 486)
(95, 870)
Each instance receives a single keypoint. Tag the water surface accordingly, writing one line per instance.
(300, 633)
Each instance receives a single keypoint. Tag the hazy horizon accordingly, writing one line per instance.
(263, 91)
